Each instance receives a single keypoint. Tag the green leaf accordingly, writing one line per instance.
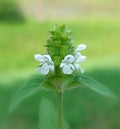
(29, 88)
(96, 86)
(48, 116)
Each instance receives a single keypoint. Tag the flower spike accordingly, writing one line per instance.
(61, 53)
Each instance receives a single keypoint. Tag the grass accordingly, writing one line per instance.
(87, 110)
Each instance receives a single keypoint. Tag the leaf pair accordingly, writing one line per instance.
(38, 82)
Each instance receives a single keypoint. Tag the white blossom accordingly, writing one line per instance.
(67, 64)
(71, 63)
(80, 47)
(78, 59)
(46, 63)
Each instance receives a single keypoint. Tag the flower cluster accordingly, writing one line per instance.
(71, 63)
(68, 64)
(61, 53)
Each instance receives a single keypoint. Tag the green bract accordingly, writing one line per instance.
(59, 43)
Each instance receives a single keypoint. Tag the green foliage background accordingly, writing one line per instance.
(10, 11)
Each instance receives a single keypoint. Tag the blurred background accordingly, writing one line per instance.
(24, 26)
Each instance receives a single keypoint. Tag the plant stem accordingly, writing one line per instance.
(59, 101)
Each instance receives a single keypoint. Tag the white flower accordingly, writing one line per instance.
(71, 63)
(67, 64)
(46, 63)
(78, 59)
(80, 48)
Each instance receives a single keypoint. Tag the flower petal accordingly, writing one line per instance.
(52, 67)
(77, 66)
(61, 65)
(81, 47)
(67, 69)
(44, 69)
(38, 57)
(69, 59)
(81, 58)
(47, 58)
(77, 54)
